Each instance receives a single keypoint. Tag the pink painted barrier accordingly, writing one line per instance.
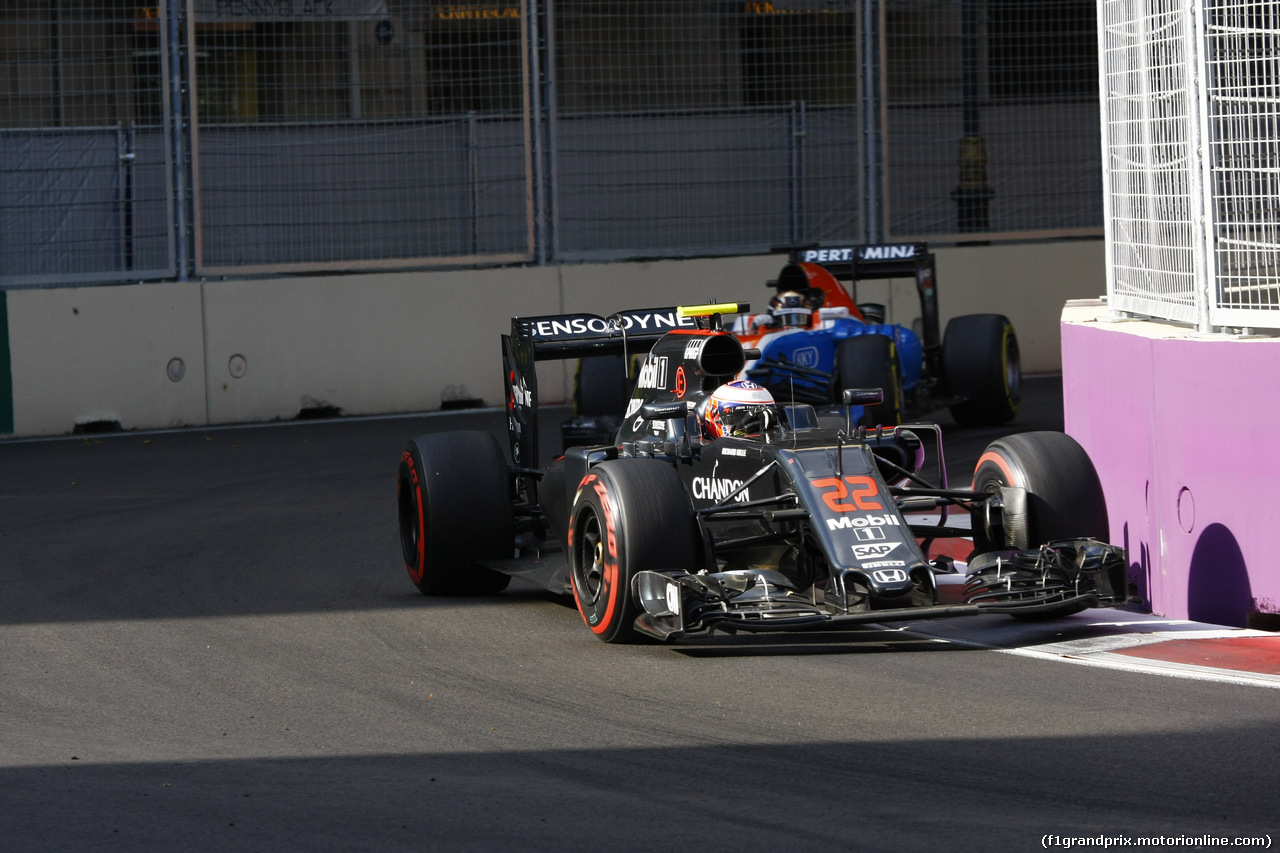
(1184, 430)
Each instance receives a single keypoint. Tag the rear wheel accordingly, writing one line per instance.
(871, 361)
(629, 516)
(455, 509)
(982, 365)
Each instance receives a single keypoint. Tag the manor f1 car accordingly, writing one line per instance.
(715, 508)
(817, 339)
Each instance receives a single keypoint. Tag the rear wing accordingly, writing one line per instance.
(576, 335)
(563, 336)
(878, 261)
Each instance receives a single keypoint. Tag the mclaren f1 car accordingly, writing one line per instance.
(714, 508)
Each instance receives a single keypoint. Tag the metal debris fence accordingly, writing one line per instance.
(1191, 136)
(245, 137)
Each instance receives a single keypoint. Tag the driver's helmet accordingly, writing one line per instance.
(740, 407)
(790, 308)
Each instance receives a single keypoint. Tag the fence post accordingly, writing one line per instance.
(553, 151)
(172, 15)
(973, 192)
(533, 137)
(473, 184)
(872, 125)
(795, 168)
(1200, 179)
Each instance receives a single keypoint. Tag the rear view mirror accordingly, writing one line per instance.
(863, 396)
(664, 411)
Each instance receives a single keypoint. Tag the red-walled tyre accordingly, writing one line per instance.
(629, 515)
(1064, 498)
(455, 509)
(1064, 494)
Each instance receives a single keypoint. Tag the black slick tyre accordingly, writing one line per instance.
(454, 509)
(981, 364)
(600, 386)
(871, 361)
(629, 516)
(1064, 498)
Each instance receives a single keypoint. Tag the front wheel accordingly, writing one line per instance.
(629, 516)
(1064, 501)
(1064, 498)
(454, 509)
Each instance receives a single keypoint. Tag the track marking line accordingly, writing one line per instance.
(1164, 653)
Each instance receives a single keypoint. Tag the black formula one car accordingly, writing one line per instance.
(714, 508)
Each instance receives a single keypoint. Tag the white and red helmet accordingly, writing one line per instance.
(740, 407)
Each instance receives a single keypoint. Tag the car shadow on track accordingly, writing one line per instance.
(839, 642)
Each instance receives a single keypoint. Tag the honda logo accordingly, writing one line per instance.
(889, 575)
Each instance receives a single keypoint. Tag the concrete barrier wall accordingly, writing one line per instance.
(255, 350)
(1181, 428)
(79, 355)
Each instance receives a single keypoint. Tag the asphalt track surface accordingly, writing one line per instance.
(208, 642)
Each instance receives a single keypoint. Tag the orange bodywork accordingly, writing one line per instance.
(815, 277)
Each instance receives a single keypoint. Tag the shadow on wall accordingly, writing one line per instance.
(1218, 589)
(1139, 572)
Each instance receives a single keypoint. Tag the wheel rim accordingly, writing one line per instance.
(590, 562)
(410, 527)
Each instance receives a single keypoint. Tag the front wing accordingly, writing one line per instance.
(1061, 577)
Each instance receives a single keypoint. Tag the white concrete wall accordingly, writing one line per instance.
(100, 354)
(366, 344)
(398, 342)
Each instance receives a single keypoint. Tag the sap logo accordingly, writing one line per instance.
(870, 552)
(888, 575)
(693, 349)
(887, 253)
(852, 522)
(827, 255)
(633, 406)
(806, 356)
(879, 563)
(654, 373)
(718, 488)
